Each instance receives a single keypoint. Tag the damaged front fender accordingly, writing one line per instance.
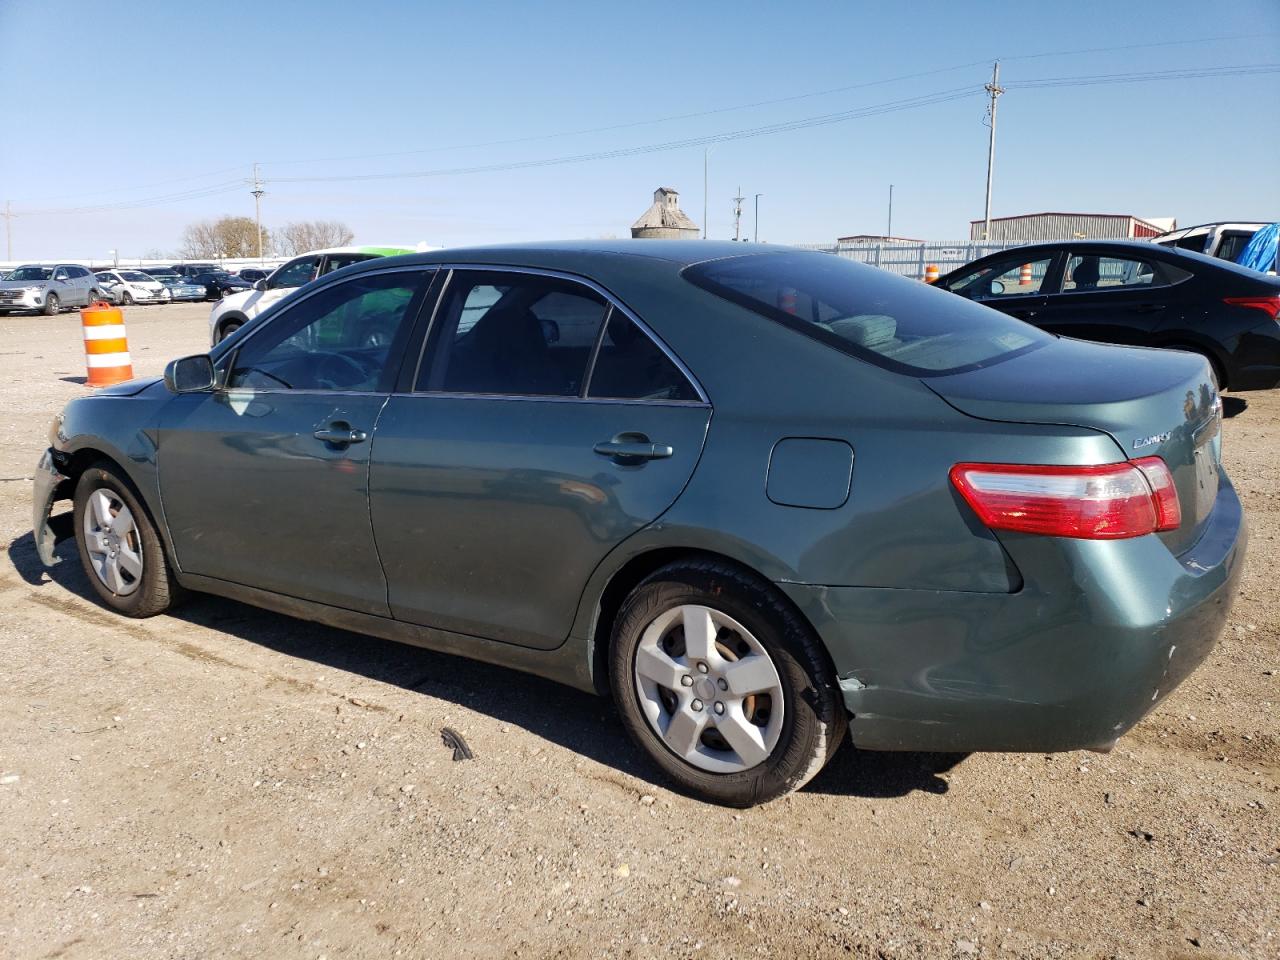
(48, 479)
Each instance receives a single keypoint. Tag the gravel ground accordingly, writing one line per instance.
(228, 782)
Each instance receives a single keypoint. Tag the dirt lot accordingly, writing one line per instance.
(227, 782)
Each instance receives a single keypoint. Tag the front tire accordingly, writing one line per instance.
(52, 305)
(119, 546)
(126, 299)
(724, 686)
(227, 329)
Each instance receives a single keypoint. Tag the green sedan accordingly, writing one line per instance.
(761, 498)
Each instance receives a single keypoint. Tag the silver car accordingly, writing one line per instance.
(47, 289)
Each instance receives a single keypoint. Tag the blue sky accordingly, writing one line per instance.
(199, 98)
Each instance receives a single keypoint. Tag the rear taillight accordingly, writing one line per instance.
(1104, 502)
(1268, 305)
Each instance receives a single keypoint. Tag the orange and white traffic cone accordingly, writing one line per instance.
(931, 273)
(106, 348)
(1024, 275)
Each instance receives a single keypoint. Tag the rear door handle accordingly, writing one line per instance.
(341, 434)
(632, 448)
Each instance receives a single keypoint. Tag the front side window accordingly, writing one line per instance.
(630, 366)
(899, 324)
(60, 274)
(513, 334)
(1087, 272)
(293, 274)
(343, 338)
(1007, 277)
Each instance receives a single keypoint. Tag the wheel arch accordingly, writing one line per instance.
(231, 316)
(72, 465)
(1203, 346)
(606, 605)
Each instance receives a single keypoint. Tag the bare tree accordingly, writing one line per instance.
(295, 238)
(222, 238)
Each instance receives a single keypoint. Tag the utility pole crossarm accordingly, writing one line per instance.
(994, 89)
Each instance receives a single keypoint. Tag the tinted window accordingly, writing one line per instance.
(336, 261)
(1091, 272)
(1008, 277)
(630, 366)
(1232, 244)
(339, 339)
(514, 334)
(293, 274)
(896, 323)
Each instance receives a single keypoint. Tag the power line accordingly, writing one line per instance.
(1192, 73)
(909, 103)
(759, 103)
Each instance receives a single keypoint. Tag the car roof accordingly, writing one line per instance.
(679, 252)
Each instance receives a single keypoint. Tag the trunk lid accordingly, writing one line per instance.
(1160, 403)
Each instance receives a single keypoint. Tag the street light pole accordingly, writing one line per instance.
(756, 225)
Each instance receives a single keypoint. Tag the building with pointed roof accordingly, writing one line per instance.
(665, 220)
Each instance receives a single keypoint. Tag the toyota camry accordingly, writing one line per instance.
(764, 499)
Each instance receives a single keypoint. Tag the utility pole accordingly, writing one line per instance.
(706, 162)
(257, 192)
(756, 238)
(8, 231)
(737, 215)
(889, 230)
(994, 89)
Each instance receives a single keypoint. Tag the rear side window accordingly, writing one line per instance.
(895, 323)
(630, 366)
(1093, 272)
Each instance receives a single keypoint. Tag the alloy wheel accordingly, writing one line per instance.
(113, 542)
(709, 689)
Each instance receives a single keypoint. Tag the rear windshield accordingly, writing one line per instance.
(900, 324)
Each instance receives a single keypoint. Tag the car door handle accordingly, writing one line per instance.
(632, 448)
(341, 434)
(1023, 314)
(1148, 307)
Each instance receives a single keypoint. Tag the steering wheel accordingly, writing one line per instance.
(332, 368)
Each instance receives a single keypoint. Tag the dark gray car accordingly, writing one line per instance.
(758, 496)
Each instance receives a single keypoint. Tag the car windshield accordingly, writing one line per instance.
(896, 323)
(134, 277)
(30, 273)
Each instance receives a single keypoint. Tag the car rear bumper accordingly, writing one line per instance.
(1099, 634)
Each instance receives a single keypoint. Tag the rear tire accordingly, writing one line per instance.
(52, 305)
(768, 686)
(120, 547)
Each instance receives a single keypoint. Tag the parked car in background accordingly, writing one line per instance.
(163, 274)
(1138, 293)
(235, 311)
(1223, 240)
(47, 289)
(253, 274)
(184, 290)
(219, 283)
(133, 286)
(194, 269)
(938, 528)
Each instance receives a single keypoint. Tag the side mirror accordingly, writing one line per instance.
(192, 374)
(997, 287)
(260, 284)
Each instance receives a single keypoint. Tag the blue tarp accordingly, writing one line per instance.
(1260, 252)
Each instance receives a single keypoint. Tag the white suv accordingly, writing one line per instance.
(232, 312)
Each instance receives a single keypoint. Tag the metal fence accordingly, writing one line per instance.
(911, 259)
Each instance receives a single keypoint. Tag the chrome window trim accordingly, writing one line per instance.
(230, 356)
(611, 302)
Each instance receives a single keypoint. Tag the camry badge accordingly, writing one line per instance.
(1148, 441)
